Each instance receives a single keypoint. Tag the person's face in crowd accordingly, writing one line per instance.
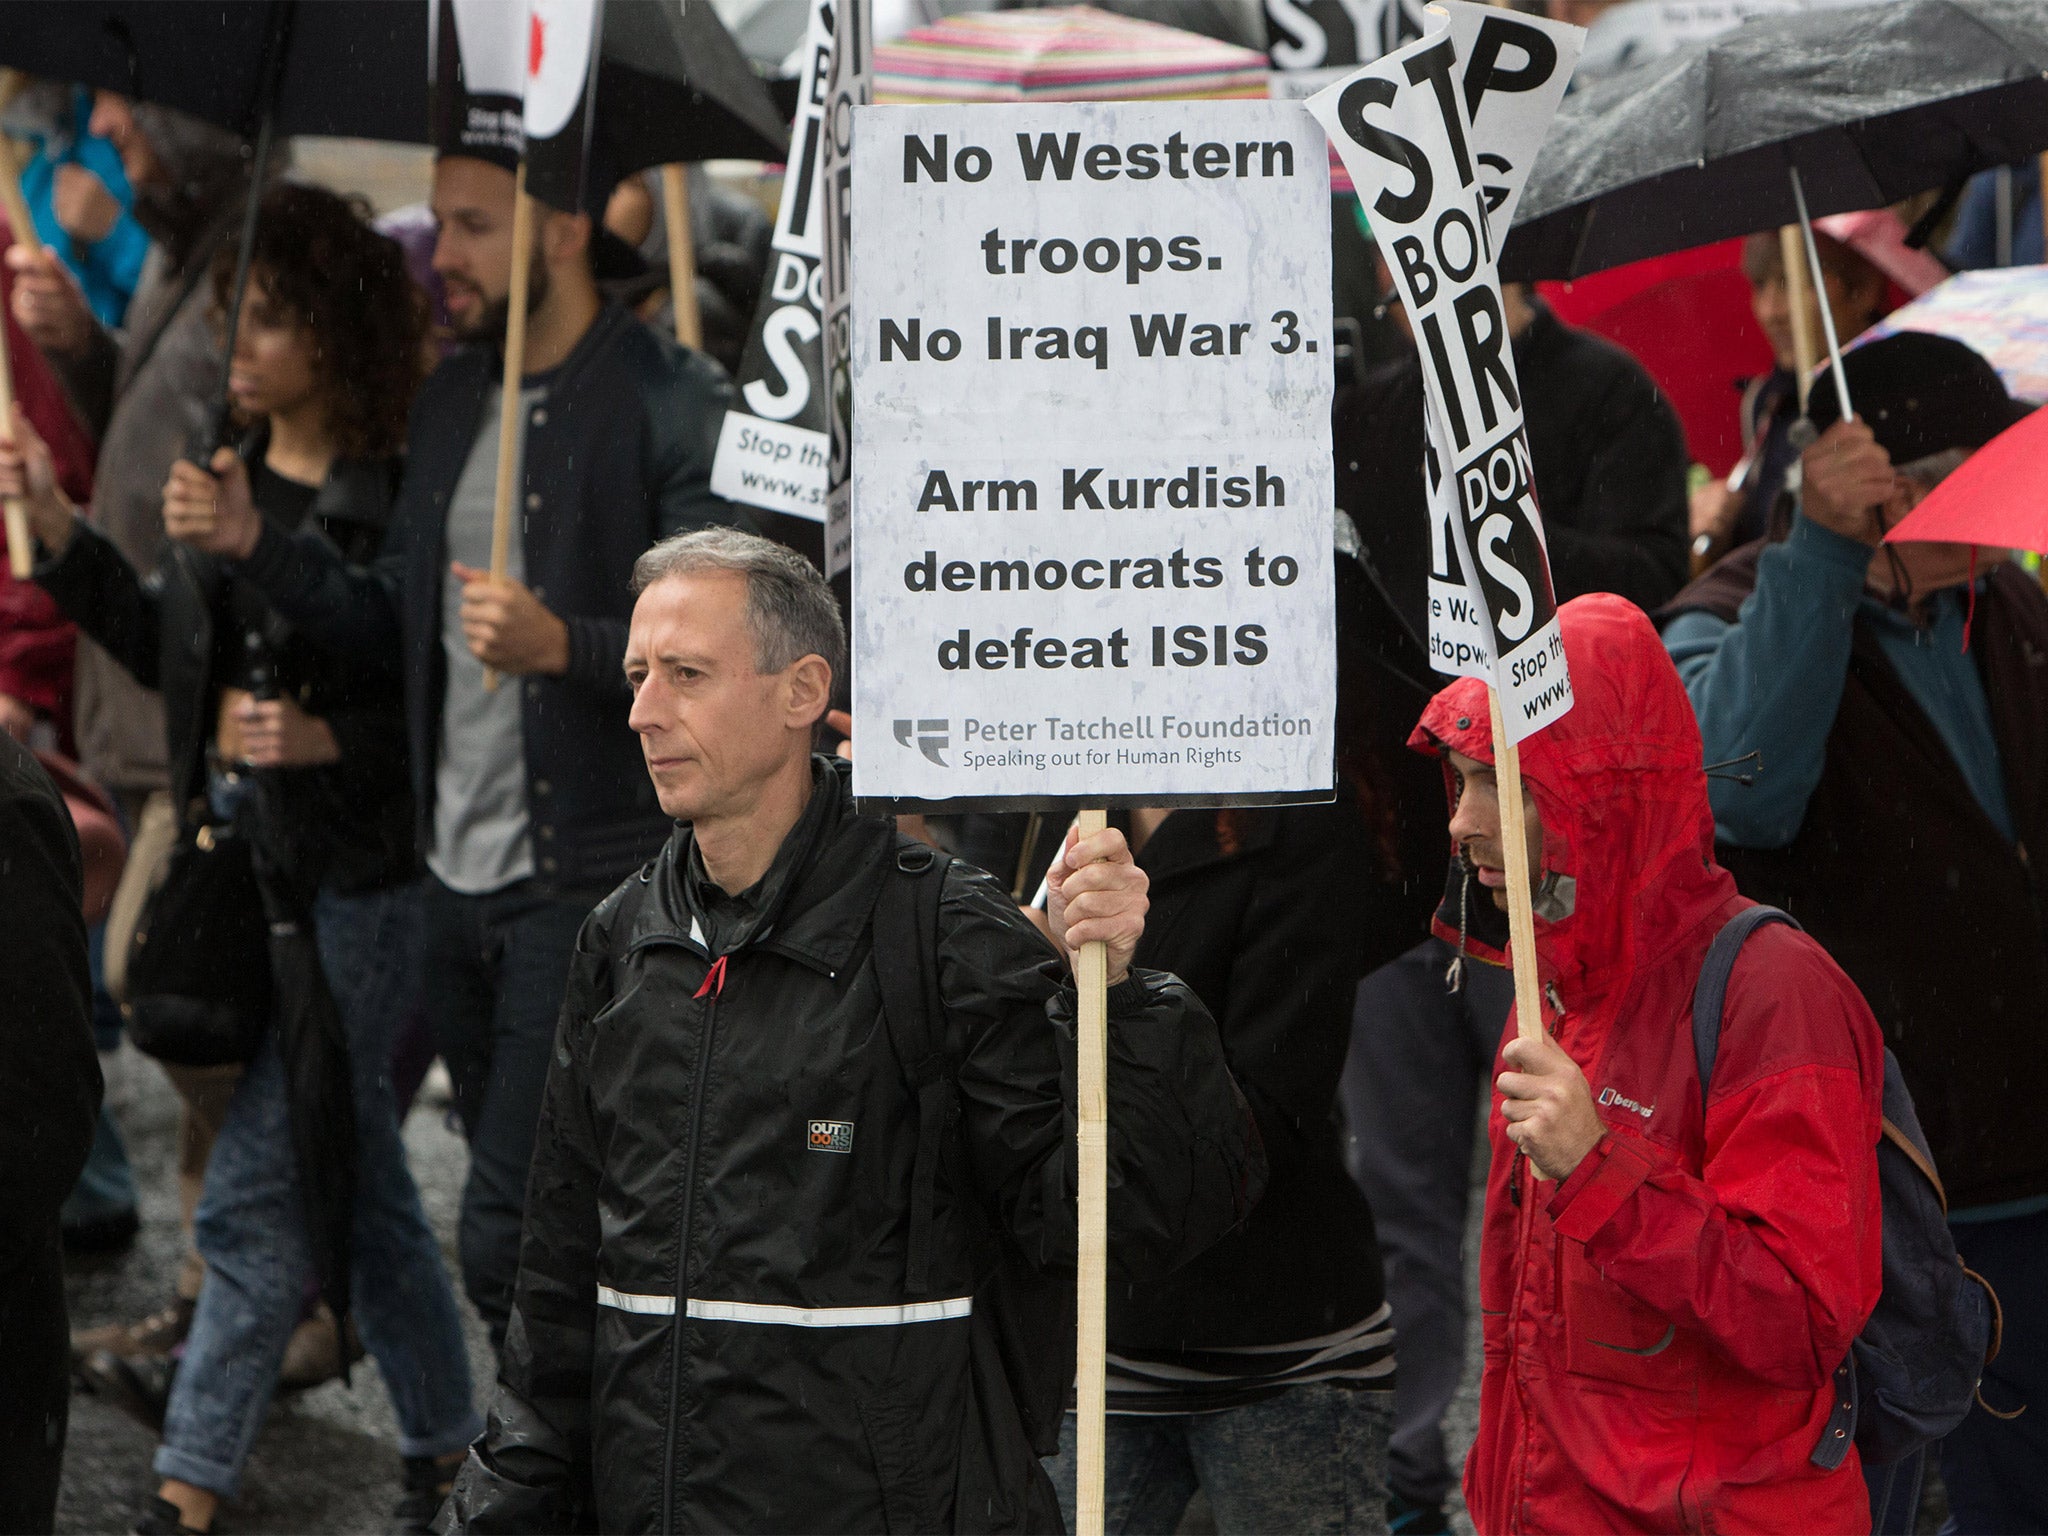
(1475, 825)
(113, 119)
(473, 205)
(1855, 290)
(629, 213)
(274, 369)
(1927, 567)
(713, 728)
(1580, 13)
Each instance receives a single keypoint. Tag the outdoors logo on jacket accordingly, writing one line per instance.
(1609, 1096)
(831, 1136)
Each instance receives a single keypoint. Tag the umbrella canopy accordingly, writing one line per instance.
(673, 87)
(348, 70)
(1071, 53)
(2001, 314)
(1869, 104)
(1999, 495)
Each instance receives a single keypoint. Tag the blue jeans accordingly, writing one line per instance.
(497, 965)
(1312, 1461)
(251, 1231)
(1996, 1470)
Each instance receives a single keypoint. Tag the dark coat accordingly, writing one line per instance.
(347, 824)
(680, 1170)
(1935, 914)
(53, 1086)
(1272, 936)
(1610, 469)
(617, 456)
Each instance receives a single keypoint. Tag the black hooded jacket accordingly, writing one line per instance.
(713, 1328)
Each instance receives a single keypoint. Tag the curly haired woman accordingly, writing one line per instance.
(305, 754)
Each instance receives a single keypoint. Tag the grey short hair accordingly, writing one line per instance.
(790, 609)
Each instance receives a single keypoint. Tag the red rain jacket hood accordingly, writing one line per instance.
(1662, 1328)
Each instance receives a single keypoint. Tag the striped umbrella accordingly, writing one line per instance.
(1068, 53)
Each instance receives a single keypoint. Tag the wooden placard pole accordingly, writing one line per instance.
(508, 404)
(1091, 1331)
(21, 556)
(1805, 349)
(682, 256)
(2041, 170)
(21, 549)
(1514, 838)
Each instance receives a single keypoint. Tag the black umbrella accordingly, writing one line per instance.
(672, 87)
(1867, 104)
(255, 67)
(348, 70)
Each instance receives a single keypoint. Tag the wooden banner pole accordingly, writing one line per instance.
(682, 256)
(1091, 1331)
(21, 549)
(1805, 349)
(21, 557)
(1514, 837)
(508, 404)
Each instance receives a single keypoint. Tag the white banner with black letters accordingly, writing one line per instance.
(772, 450)
(1092, 484)
(849, 85)
(1440, 193)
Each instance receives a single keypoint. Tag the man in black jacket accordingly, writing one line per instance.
(53, 1094)
(734, 1313)
(531, 798)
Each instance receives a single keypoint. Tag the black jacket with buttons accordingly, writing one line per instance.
(618, 455)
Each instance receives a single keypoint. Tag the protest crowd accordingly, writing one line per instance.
(431, 686)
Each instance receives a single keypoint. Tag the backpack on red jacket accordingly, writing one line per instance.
(1912, 1372)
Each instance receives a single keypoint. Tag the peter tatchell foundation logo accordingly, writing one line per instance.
(831, 1136)
(932, 737)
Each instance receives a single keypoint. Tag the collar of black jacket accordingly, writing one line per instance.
(355, 490)
(819, 912)
(487, 362)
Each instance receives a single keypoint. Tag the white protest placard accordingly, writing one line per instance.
(1513, 70)
(1439, 195)
(772, 448)
(1093, 501)
(849, 86)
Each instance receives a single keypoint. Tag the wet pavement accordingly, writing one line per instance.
(327, 1459)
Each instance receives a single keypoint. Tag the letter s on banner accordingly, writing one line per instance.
(1409, 143)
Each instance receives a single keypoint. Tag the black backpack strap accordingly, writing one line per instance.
(906, 966)
(1710, 992)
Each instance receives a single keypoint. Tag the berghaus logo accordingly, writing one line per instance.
(1619, 1101)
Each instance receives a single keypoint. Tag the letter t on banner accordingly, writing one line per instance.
(1404, 128)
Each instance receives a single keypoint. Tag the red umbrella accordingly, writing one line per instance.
(1998, 496)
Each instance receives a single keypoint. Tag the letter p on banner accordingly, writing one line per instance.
(1438, 194)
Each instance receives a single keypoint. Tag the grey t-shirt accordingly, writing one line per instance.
(482, 828)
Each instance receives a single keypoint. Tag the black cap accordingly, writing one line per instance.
(1921, 395)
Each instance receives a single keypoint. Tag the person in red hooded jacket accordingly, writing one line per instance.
(1665, 1291)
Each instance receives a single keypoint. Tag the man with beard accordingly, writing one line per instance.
(532, 799)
